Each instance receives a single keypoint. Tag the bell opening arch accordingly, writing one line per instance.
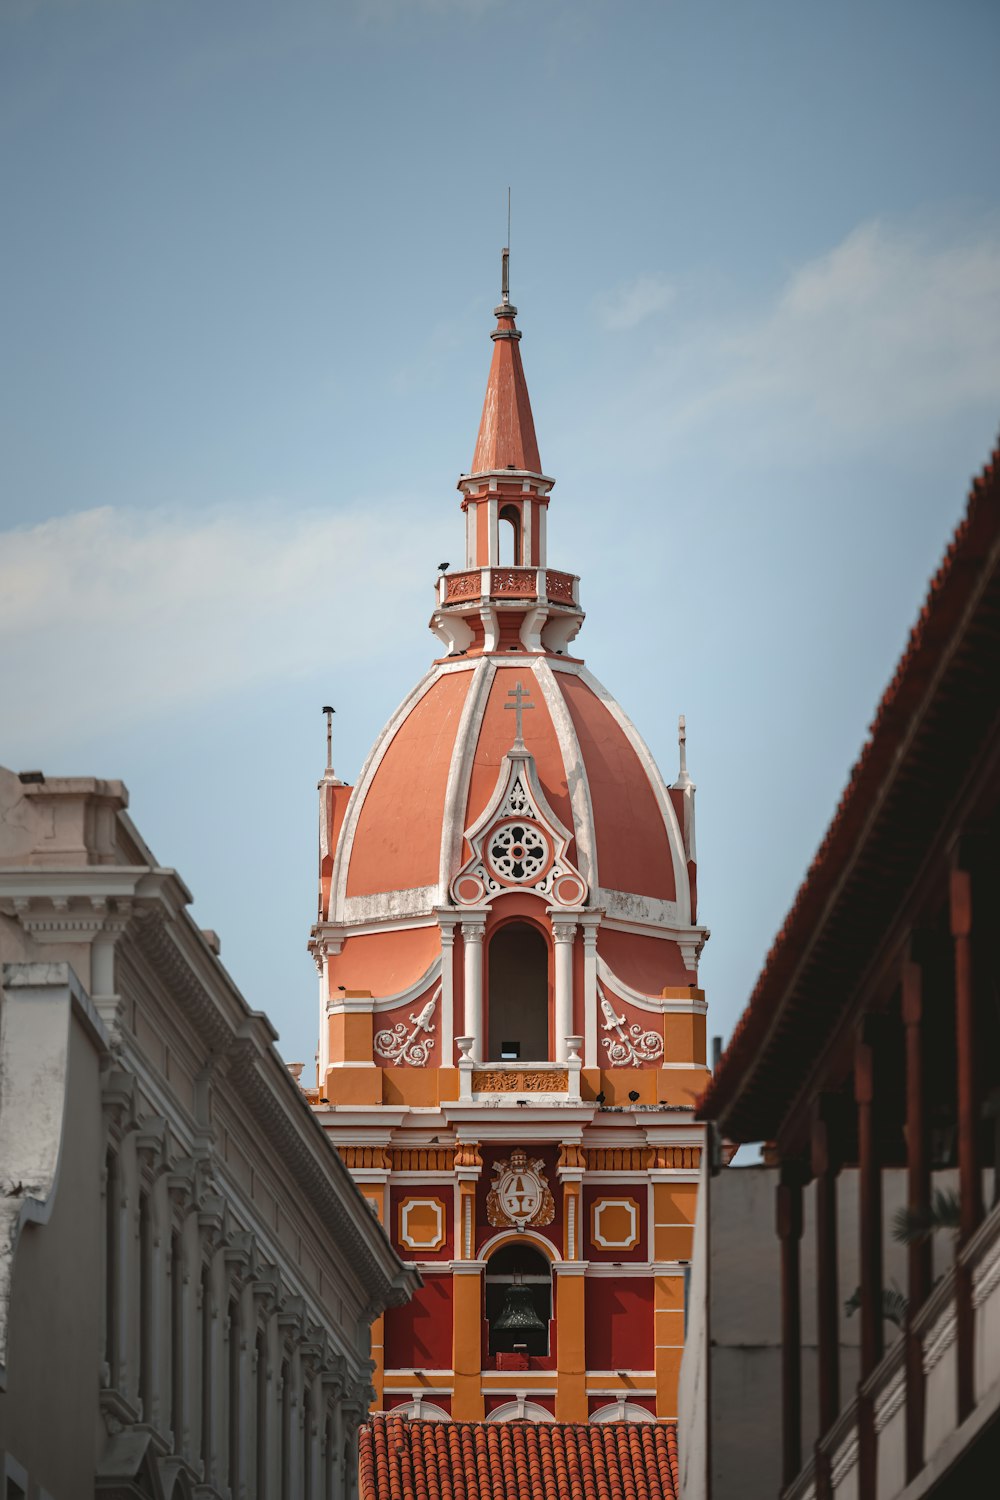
(518, 1294)
(518, 992)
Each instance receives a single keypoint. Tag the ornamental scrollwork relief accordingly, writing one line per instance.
(409, 1044)
(628, 1046)
(518, 851)
(521, 848)
(463, 585)
(520, 1193)
(553, 1081)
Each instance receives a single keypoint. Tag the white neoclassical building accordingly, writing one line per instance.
(188, 1273)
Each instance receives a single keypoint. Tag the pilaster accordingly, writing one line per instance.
(571, 1391)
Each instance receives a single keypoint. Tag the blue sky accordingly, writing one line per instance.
(250, 252)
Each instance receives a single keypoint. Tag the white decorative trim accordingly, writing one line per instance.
(505, 1235)
(456, 797)
(404, 1223)
(940, 1338)
(520, 1410)
(633, 1045)
(410, 995)
(655, 1003)
(576, 772)
(345, 844)
(891, 1399)
(420, 1409)
(674, 836)
(415, 901)
(845, 1458)
(399, 1045)
(641, 911)
(986, 1277)
(631, 1207)
(519, 805)
(622, 1410)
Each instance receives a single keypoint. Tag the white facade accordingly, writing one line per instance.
(730, 1388)
(187, 1272)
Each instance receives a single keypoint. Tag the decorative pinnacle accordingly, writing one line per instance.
(329, 736)
(683, 779)
(519, 694)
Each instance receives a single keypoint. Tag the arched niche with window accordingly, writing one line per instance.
(510, 550)
(518, 994)
(518, 1284)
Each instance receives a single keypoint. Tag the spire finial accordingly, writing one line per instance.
(519, 694)
(505, 262)
(329, 736)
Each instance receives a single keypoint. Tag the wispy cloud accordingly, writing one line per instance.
(887, 330)
(635, 302)
(107, 616)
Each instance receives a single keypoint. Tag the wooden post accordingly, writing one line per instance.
(969, 1166)
(918, 1193)
(824, 1167)
(870, 1248)
(969, 1173)
(789, 1226)
(870, 1205)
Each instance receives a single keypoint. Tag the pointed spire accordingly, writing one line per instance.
(506, 429)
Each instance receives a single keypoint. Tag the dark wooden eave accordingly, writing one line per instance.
(937, 719)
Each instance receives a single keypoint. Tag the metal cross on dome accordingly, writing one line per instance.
(519, 694)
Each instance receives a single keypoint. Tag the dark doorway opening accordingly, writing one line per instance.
(518, 994)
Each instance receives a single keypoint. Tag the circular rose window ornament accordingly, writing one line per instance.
(518, 852)
(569, 890)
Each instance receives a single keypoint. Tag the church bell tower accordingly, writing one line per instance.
(511, 1028)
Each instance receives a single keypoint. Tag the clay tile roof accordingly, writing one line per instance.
(506, 429)
(871, 824)
(403, 1459)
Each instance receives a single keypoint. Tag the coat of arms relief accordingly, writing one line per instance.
(520, 1194)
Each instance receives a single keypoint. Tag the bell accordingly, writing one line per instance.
(518, 1314)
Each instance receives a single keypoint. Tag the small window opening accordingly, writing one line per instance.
(509, 537)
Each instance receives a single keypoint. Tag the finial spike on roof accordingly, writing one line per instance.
(505, 277)
(683, 779)
(329, 737)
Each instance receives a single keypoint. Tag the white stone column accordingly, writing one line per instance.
(563, 933)
(589, 924)
(493, 512)
(473, 931)
(447, 989)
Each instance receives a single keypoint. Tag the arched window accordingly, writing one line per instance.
(518, 994)
(509, 538)
(518, 1300)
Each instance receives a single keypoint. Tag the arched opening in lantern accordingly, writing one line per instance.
(518, 994)
(509, 538)
(518, 1300)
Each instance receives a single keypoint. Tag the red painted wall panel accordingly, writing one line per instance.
(619, 1323)
(418, 1336)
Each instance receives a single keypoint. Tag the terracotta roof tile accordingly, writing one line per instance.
(403, 1459)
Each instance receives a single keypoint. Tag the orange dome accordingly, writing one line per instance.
(458, 825)
(435, 766)
(511, 1028)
